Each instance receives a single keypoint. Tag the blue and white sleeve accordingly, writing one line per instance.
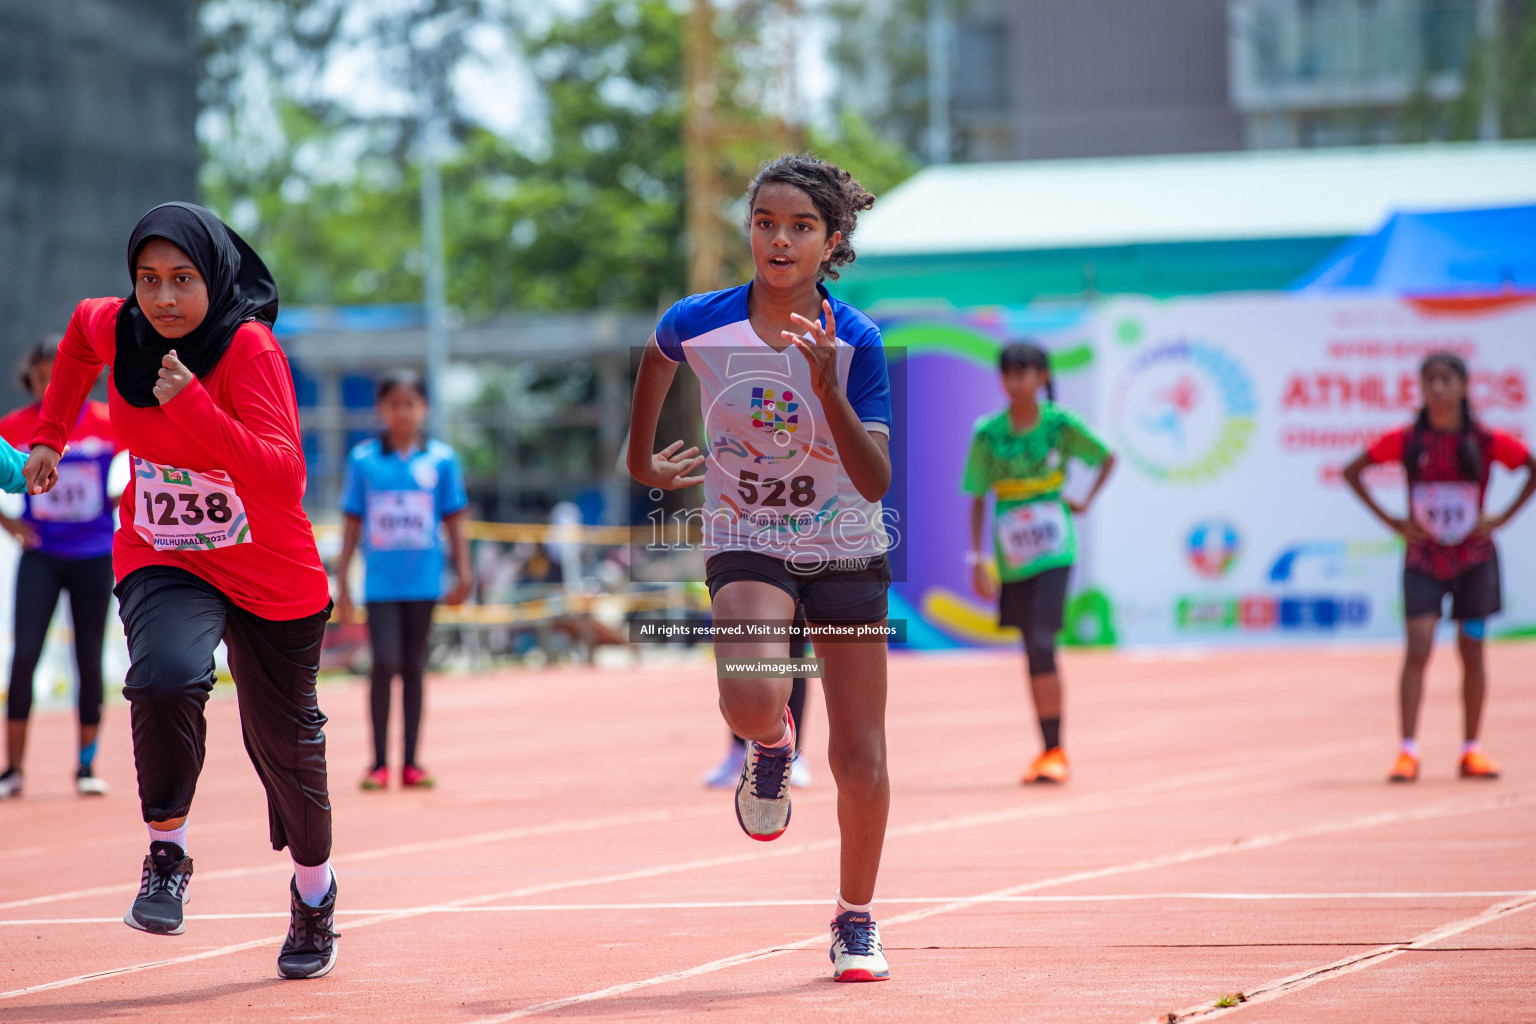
(669, 337)
(869, 385)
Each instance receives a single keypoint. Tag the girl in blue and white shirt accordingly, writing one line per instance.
(797, 412)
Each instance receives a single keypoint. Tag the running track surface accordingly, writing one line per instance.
(1228, 830)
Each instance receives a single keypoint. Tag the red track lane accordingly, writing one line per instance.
(1228, 830)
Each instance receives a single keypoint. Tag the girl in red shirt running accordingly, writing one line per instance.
(213, 545)
(1448, 456)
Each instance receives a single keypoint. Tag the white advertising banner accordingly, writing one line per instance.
(1227, 521)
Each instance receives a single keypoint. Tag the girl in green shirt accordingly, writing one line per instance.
(1020, 453)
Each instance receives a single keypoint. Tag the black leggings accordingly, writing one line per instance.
(174, 622)
(40, 579)
(399, 632)
(1037, 607)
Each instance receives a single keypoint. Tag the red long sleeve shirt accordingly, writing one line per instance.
(242, 419)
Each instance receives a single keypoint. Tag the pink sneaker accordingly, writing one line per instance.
(376, 779)
(414, 778)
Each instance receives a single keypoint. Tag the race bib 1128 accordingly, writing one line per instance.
(185, 510)
(1032, 532)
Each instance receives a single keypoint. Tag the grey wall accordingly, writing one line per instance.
(1119, 78)
(97, 124)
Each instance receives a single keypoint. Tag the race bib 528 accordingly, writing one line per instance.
(181, 509)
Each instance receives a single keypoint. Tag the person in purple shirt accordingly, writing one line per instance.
(66, 539)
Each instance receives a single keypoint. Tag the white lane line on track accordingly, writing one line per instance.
(1447, 809)
(1350, 964)
(403, 849)
(1089, 803)
(567, 908)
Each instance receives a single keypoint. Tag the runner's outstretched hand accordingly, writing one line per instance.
(820, 351)
(672, 470)
(42, 469)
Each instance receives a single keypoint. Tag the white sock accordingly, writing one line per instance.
(1411, 746)
(313, 883)
(1468, 747)
(176, 835)
(857, 908)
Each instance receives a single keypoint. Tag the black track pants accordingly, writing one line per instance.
(174, 621)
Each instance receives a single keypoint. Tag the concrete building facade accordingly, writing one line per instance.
(98, 110)
(1049, 79)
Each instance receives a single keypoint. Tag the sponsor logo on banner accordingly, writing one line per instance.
(1212, 547)
(1331, 558)
(1207, 613)
(1184, 411)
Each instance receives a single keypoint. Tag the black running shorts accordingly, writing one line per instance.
(836, 595)
(1475, 593)
(1036, 604)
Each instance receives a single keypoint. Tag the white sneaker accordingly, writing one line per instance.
(856, 951)
(800, 773)
(10, 783)
(762, 794)
(725, 774)
(87, 784)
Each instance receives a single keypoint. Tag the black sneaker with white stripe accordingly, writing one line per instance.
(310, 949)
(162, 891)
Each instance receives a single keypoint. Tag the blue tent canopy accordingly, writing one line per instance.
(1445, 253)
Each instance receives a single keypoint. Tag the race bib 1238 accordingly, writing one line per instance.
(185, 510)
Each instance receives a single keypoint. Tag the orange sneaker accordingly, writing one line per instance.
(1406, 769)
(1477, 765)
(1050, 767)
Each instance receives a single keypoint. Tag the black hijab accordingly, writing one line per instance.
(240, 288)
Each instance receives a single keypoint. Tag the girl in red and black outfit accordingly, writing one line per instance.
(1448, 456)
(213, 545)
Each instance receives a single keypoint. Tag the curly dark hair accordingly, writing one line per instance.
(837, 197)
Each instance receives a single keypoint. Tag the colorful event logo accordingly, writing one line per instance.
(1184, 411)
(775, 410)
(1212, 547)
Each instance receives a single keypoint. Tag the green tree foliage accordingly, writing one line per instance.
(588, 215)
(880, 48)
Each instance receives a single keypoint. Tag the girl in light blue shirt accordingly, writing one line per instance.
(403, 492)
